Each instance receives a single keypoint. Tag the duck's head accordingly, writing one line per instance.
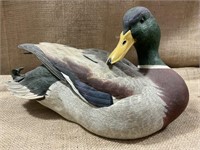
(141, 30)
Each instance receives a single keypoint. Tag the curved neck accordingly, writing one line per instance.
(148, 44)
(149, 57)
(147, 52)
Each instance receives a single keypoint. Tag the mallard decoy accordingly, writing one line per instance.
(107, 94)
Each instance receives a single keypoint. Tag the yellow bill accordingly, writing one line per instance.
(125, 43)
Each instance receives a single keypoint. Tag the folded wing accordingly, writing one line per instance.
(87, 70)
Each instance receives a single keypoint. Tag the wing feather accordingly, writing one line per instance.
(22, 91)
(90, 67)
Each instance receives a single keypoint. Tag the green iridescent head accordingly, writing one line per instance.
(141, 30)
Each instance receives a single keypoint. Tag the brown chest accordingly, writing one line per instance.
(175, 92)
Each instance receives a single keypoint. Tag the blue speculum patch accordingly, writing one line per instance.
(93, 96)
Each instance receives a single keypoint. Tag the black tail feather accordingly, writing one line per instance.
(16, 74)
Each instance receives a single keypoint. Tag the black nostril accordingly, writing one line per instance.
(109, 62)
(124, 42)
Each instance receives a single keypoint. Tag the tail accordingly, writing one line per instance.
(35, 83)
(32, 85)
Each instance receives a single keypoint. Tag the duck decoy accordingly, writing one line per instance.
(105, 93)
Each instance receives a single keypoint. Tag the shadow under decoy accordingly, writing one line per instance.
(37, 110)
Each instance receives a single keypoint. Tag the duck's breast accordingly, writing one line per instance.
(175, 92)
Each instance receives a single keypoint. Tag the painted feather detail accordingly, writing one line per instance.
(88, 93)
(86, 75)
(33, 84)
(121, 81)
(72, 62)
(39, 79)
(21, 91)
(93, 96)
(139, 109)
(132, 117)
(97, 74)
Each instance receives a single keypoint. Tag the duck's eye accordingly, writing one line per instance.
(142, 20)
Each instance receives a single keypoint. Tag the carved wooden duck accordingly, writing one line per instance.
(107, 95)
